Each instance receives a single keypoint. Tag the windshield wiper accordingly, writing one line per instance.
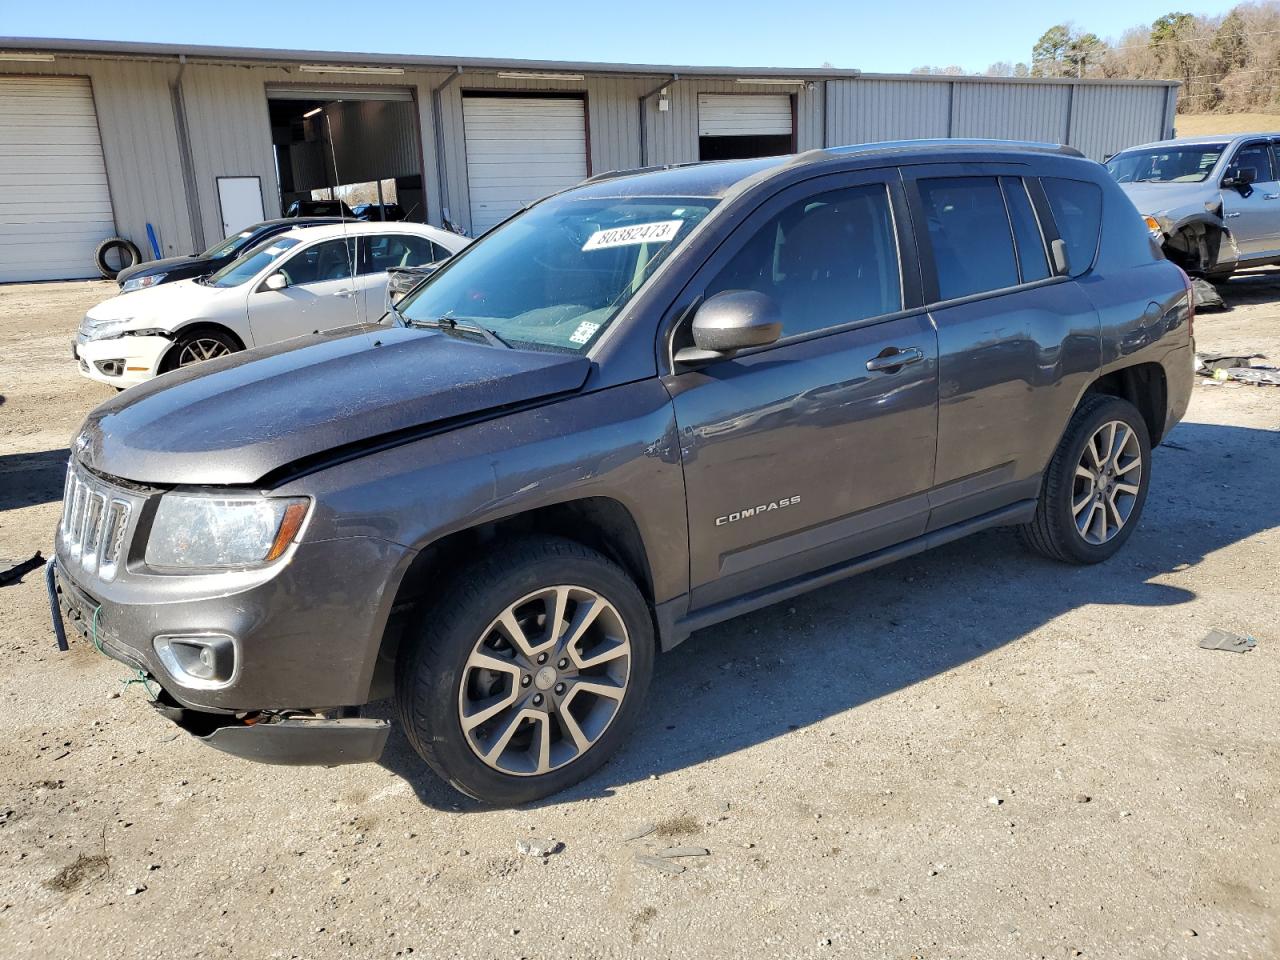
(460, 326)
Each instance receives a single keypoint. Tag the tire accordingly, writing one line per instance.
(127, 250)
(1056, 530)
(439, 685)
(197, 345)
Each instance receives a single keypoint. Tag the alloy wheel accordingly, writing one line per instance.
(545, 680)
(202, 348)
(1107, 481)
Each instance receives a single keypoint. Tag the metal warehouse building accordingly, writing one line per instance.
(101, 139)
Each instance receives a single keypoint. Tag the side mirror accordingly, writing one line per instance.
(731, 321)
(1241, 178)
(1061, 258)
(277, 281)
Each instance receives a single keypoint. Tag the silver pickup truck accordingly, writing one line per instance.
(1213, 203)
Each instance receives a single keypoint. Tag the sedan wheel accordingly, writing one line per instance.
(199, 349)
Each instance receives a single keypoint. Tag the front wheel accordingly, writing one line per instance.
(196, 346)
(1094, 490)
(527, 672)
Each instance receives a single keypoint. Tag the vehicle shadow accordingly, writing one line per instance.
(761, 676)
(30, 478)
(1252, 287)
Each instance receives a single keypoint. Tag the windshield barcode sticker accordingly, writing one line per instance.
(584, 332)
(659, 232)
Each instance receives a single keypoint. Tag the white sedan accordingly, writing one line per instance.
(300, 281)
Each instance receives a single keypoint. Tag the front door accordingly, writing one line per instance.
(322, 293)
(817, 448)
(1252, 213)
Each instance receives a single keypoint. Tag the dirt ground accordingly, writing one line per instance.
(973, 753)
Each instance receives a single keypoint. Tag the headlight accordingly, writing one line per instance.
(103, 329)
(141, 283)
(194, 531)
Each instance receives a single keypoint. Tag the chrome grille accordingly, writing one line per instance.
(95, 522)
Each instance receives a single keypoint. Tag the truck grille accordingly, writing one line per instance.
(95, 522)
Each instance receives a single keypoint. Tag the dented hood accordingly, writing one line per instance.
(1172, 201)
(237, 419)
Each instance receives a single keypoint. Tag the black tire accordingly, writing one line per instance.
(128, 251)
(431, 665)
(1053, 531)
(191, 341)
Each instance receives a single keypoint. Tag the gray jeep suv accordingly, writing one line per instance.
(652, 402)
(1213, 203)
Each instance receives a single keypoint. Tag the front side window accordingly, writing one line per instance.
(557, 275)
(1076, 206)
(328, 260)
(249, 264)
(969, 234)
(1255, 157)
(827, 260)
(1189, 164)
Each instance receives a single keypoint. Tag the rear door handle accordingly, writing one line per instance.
(891, 358)
(1271, 196)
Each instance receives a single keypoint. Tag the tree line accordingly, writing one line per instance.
(1227, 64)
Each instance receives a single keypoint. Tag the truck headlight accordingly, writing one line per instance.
(212, 531)
(141, 283)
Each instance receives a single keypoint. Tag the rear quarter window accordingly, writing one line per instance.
(1077, 210)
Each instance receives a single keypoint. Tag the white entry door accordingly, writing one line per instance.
(240, 200)
(519, 149)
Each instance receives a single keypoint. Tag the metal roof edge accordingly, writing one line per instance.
(977, 78)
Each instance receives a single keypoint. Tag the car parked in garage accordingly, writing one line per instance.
(301, 280)
(319, 208)
(645, 405)
(155, 272)
(1212, 203)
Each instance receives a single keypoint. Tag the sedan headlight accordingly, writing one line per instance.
(141, 283)
(92, 329)
(211, 531)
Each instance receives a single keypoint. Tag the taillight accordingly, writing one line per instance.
(1191, 303)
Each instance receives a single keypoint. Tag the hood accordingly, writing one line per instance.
(1172, 200)
(158, 266)
(238, 418)
(165, 304)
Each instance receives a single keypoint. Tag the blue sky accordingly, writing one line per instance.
(882, 37)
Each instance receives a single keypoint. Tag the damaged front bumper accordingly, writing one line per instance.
(278, 736)
(121, 361)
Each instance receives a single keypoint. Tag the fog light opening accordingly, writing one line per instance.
(201, 661)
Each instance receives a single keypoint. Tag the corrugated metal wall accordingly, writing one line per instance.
(375, 139)
(227, 119)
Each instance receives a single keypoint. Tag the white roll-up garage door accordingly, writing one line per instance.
(54, 204)
(520, 149)
(744, 115)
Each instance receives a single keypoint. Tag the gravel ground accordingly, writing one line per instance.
(974, 753)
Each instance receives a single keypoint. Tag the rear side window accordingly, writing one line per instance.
(396, 250)
(1032, 263)
(829, 259)
(970, 236)
(1077, 210)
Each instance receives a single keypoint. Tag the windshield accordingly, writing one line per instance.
(250, 264)
(232, 244)
(555, 276)
(1189, 164)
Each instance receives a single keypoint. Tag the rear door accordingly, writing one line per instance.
(1016, 343)
(378, 254)
(813, 449)
(321, 294)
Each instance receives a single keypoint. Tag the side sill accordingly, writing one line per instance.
(675, 624)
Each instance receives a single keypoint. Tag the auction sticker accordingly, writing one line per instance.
(659, 232)
(586, 329)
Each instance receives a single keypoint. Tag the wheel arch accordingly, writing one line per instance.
(1197, 243)
(601, 523)
(1145, 385)
(196, 326)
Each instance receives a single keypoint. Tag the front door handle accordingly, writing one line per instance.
(346, 294)
(1271, 196)
(890, 359)
(1228, 216)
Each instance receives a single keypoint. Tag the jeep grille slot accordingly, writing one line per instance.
(95, 522)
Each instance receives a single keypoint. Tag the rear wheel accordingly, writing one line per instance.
(1096, 485)
(528, 672)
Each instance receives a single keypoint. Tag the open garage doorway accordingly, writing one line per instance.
(358, 146)
(738, 126)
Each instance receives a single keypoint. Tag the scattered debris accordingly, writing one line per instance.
(665, 866)
(136, 889)
(539, 848)
(84, 867)
(1207, 363)
(1218, 639)
(15, 570)
(1188, 932)
(1206, 295)
(684, 852)
(1221, 368)
(672, 827)
(994, 801)
(641, 830)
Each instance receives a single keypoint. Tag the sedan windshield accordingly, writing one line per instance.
(556, 276)
(1189, 164)
(250, 264)
(232, 244)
